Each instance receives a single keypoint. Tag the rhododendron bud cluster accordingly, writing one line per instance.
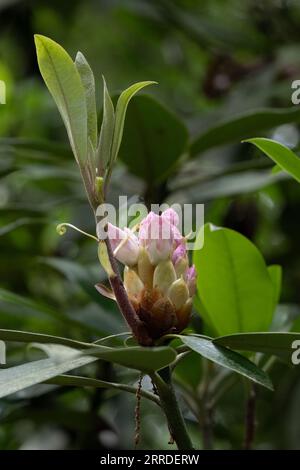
(158, 279)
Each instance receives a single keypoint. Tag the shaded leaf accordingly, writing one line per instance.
(78, 381)
(227, 358)
(107, 131)
(154, 139)
(274, 343)
(88, 82)
(241, 127)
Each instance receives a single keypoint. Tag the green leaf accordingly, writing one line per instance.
(29, 337)
(233, 283)
(227, 358)
(62, 360)
(121, 108)
(228, 185)
(280, 154)
(241, 127)
(78, 381)
(107, 130)
(137, 357)
(154, 139)
(64, 83)
(275, 273)
(274, 343)
(88, 82)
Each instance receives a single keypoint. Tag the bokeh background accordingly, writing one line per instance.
(215, 61)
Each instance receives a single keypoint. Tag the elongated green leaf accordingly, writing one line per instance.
(136, 357)
(78, 381)
(121, 108)
(149, 128)
(19, 377)
(233, 283)
(228, 185)
(280, 154)
(88, 82)
(63, 359)
(63, 81)
(229, 359)
(241, 127)
(29, 337)
(277, 343)
(107, 130)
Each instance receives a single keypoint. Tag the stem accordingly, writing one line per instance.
(169, 403)
(250, 418)
(136, 325)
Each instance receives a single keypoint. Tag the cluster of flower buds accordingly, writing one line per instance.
(157, 277)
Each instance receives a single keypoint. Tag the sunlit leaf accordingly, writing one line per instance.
(233, 283)
(280, 154)
(63, 81)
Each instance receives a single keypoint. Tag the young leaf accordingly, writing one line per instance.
(64, 83)
(88, 82)
(227, 358)
(280, 154)
(278, 343)
(107, 131)
(121, 108)
(233, 283)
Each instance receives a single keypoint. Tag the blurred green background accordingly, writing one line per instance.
(215, 61)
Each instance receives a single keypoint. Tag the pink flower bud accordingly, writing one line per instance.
(124, 243)
(156, 234)
(171, 216)
(190, 278)
(179, 253)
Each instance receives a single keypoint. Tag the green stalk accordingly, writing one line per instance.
(169, 403)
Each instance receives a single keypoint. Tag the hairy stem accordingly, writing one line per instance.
(169, 403)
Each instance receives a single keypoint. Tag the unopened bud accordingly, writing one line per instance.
(104, 259)
(145, 268)
(164, 276)
(132, 282)
(178, 293)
